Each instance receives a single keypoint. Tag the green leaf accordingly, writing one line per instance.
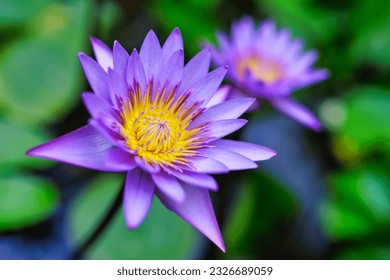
(371, 252)
(365, 128)
(371, 20)
(258, 196)
(14, 12)
(110, 15)
(187, 15)
(341, 222)
(39, 74)
(303, 18)
(25, 200)
(15, 141)
(359, 204)
(163, 235)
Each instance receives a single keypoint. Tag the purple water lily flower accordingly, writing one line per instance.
(162, 123)
(270, 65)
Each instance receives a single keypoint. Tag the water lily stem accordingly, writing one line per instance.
(116, 204)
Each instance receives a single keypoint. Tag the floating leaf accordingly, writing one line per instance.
(303, 18)
(25, 200)
(261, 208)
(187, 15)
(371, 252)
(359, 203)
(371, 20)
(341, 222)
(162, 235)
(40, 74)
(15, 141)
(13, 12)
(365, 128)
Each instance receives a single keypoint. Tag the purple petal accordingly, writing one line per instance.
(101, 124)
(151, 55)
(223, 41)
(311, 78)
(136, 72)
(198, 211)
(172, 72)
(170, 186)
(84, 147)
(267, 31)
(96, 76)
(102, 53)
(148, 167)
(173, 43)
(305, 62)
(219, 96)
(282, 42)
(298, 112)
(208, 165)
(197, 179)
(121, 58)
(239, 94)
(206, 87)
(230, 109)
(95, 104)
(252, 151)
(118, 88)
(231, 160)
(138, 196)
(122, 159)
(196, 69)
(243, 33)
(221, 128)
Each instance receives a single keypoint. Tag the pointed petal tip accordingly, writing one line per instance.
(133, 225)
(93, 39)
(222, 246)
(31, 152)
(272, 153)
(117, 44)
(151, 34)
(81, 55)
(176, 30)
(318, 128)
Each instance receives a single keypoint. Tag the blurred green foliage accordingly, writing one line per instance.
(162, 235)
(25, 200)
(40, 85)
(261, 211)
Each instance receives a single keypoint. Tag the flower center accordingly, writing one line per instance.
(155, 127)
(265, 70)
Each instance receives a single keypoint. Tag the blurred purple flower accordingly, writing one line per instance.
(269, 65)
(151, 117)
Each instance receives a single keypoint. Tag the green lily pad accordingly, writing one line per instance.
(40, 75)
(370, 252)
(163, 235)
(14, 12)
(261, 208)
(25, 200)
(371, 20)
(341, 222)
(187, 15)
(365, 128)
(359, 203)
(303, 18)
(15, 141)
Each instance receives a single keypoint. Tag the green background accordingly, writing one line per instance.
(325, 196)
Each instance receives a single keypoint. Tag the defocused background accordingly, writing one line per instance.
(325, 196)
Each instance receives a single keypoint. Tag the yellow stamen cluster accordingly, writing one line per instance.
(267, 71)
(155, 126)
